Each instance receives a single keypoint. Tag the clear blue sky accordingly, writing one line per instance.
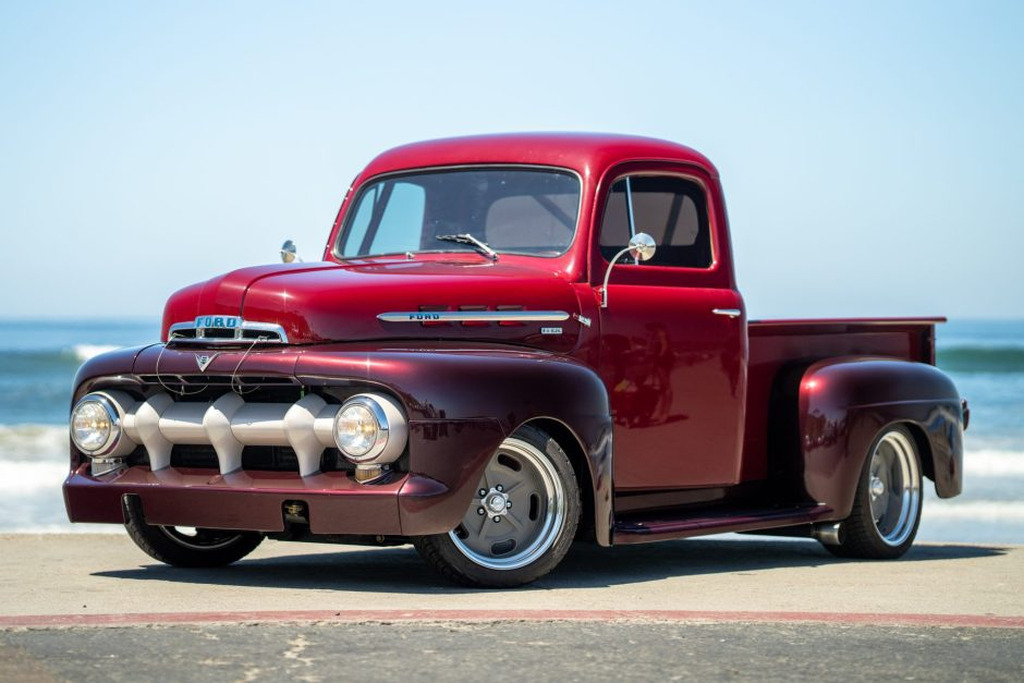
(871, 151)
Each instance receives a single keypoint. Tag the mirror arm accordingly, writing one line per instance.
(608, 274)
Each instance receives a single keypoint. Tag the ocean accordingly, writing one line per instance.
(38, 360)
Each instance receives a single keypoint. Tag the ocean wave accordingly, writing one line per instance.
(26, 478)
(981, 358)
(977, 510)
(38, 362)
(32, 443)
(84, 352)
(994, 464)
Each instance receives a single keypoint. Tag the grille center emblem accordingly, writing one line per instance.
(203, 360)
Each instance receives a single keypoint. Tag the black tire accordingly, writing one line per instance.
(174, 546)
(887, 508)
(533, 483)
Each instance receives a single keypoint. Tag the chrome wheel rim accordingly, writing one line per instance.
(518, 509)
(894, 488)
(198, 539)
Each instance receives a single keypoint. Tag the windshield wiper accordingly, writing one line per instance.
(466, 238)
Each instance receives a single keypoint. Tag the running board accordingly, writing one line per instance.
(704, 523)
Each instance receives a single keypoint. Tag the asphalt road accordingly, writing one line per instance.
(520, 651)
(93, 607)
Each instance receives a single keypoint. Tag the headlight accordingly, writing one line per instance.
(95, 425)
(371, 428)
(358, 430)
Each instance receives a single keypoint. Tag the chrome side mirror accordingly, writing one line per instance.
(641, 247)
(289, 254)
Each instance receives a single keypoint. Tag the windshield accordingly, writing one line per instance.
(511, 210)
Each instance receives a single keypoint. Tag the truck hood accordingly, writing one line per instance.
(328, 302)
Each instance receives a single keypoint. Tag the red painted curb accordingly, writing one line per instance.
(349, 616)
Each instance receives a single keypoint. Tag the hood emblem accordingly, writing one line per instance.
(203, 360)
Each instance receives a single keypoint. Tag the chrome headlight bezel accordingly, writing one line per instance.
(113, 437)
(391, 429)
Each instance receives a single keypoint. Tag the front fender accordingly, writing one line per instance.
(845, 402)
(463, 402)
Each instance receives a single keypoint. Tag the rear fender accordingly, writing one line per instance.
(845, 402)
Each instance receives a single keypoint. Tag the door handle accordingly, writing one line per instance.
(730, 312)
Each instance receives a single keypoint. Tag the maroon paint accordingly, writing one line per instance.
(453, 431)
(533, 385)
(845, 402)
(694, 402)
(698, 525)
(250, 500)
(787, 347)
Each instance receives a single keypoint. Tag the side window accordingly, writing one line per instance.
(670, 209)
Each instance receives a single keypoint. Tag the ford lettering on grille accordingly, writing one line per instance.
(228, 322)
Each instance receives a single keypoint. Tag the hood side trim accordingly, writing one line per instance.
(472, 316)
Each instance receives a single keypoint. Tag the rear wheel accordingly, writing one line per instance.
(521, 520)
(887, 508)
(186, 546)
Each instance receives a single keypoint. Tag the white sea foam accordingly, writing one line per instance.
(25, 478)
(977, 510)
(84, 352)
(994, 463)
(33, 443)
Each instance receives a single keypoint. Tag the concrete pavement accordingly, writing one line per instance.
(95, 608)
(53, 580)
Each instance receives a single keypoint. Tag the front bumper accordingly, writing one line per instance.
(409, 505)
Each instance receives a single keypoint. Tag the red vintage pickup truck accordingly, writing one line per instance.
(511, 342)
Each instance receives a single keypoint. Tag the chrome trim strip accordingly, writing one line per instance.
(472, 316)
(730, 312)
(238, 332)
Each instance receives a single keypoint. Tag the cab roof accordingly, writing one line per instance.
(590, 154)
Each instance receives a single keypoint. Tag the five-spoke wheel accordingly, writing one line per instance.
(521, 520)
(887, 508)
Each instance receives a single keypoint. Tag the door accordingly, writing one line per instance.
(673, 351)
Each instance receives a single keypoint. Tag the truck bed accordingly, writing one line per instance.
(777, 346)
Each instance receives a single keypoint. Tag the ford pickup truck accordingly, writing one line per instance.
(512, 342)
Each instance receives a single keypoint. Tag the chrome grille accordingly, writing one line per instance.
(246, 331)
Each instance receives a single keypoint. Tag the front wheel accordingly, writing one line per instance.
(521, 520)
(187, 547)
(887, 507)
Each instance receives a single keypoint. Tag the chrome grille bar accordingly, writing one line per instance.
(228, 425)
